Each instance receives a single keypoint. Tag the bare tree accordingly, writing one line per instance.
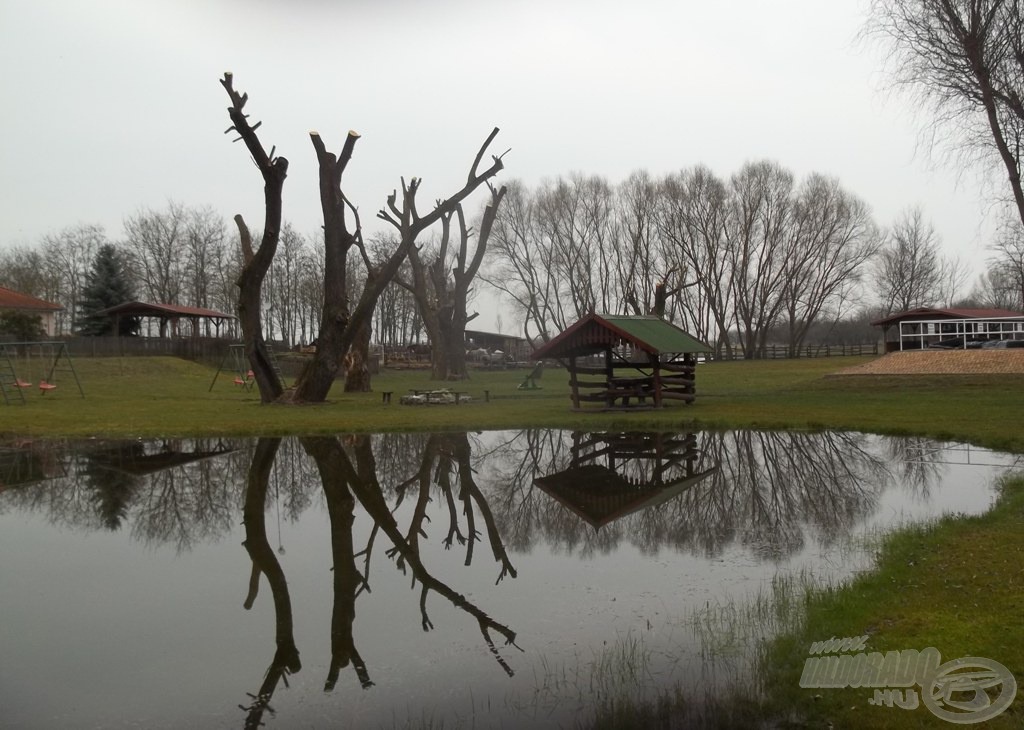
(283, 283)
(256, 263)
(692, 217)
(396, 320)
(832, 242)
(24, 269)
(910, 271)
(340, 326)
(637, 264)
(205, 244)
(965, 57)
(157, 241)
(1006, 265)
(70, 254)
(441, 287)
(521, 269)
(757, 232)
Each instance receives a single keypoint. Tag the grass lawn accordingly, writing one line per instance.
(172, 397)
(957, 585)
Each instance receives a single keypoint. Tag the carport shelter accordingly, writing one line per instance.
(623, 362)
(167, 314)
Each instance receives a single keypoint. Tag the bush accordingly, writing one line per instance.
(21, 326)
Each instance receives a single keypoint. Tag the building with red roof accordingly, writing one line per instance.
(959, 327)
(11, 300)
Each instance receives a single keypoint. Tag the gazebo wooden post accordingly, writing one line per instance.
(609, 373)
(656, 378)
(574, 381)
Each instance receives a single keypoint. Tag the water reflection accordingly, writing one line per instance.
(264, 562)
(764, 490)
(611, 475)
(506, 505)
(179, 491)
(695, 492)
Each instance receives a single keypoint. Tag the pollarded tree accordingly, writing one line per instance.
(256, 262)
(341, 326)
(441, 287)
(106, 285)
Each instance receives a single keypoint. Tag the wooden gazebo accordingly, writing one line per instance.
(626, 362)
(640, 470)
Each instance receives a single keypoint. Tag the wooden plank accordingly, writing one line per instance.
(588, 383)
(688, 397)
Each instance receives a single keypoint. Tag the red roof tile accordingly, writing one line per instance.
(952, 313)
(10, 299)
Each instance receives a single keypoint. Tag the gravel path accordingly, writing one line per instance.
(943, 362)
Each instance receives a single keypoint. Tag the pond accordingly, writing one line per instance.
(500, 579)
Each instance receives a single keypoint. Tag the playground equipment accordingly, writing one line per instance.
(530, 381)
(236, 361)
(49, 358)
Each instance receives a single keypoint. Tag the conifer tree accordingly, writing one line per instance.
(106, 286)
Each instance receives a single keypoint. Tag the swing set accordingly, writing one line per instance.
(235, 360)
(46, 359)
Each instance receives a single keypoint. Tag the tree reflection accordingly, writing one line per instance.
(347, 476)
(175, 491)
(264, 561)
(446, 465)
(361, 479)
(348, 581)
(764, 490)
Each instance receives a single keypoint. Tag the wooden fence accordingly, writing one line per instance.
(203, 349)
(782, 352)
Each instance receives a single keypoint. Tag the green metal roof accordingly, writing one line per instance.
(596, 332)
(663, 337)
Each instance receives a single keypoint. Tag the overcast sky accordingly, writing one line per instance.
(109, 106)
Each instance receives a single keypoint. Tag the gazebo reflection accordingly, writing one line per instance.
(612, 475)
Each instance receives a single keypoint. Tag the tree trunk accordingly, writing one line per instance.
(357, 371)
(257, 263)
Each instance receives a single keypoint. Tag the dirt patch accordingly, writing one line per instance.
(943, 362)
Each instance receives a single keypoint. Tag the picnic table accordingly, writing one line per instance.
(420, 396)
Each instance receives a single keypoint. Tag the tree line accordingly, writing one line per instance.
(754, 259)
(186, 255)
(741, 262)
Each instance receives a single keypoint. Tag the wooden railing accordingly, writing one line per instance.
(782, 352)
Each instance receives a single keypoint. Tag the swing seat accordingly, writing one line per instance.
(239, 381)
(44, 386)
(22, 384)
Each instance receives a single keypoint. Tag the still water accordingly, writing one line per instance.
(499, 579)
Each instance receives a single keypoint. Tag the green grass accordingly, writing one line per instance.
(956, 585)
(169, 397)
